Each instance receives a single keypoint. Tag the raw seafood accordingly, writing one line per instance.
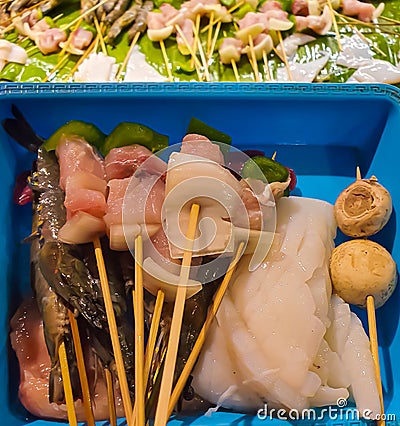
(28, 342)
(269, 338)
(82, 177)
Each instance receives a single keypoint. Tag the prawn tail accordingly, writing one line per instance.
(21, 131)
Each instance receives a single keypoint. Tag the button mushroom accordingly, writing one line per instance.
(361, 268)
(363, 208)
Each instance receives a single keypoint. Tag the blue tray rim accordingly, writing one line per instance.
(199, 89)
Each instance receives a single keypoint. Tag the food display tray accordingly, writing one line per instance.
(321, 131)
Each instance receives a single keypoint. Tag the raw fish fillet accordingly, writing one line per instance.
(75, 154)
(123, 162)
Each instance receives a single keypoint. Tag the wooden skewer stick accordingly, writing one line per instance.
(110, 398)
(31, 49)
(59, 64)
(161, 417)
(203, 57)
(21, 12)
(235, 70)
(273, 156)
(253, 61)
(369, 42)
(68, 42)
(196, 29)
(187, 369)
(373, 337)
(128, 55)
(197, 63)
(394, 21)
(284, 57)
(209, 34)
(100, 34)
(139, 334)
(151, 342)
(69, 397)
(266, 66)
(72, 23)
(112, 324)
(214, 41)
(218, 20)
(335, 25)
(81, 59)
(87, 402)
(155, 323)
(166, 60)
(358, 173)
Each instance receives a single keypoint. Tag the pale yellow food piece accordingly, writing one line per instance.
(360, 268)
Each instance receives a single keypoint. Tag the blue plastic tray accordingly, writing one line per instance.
(322, 131)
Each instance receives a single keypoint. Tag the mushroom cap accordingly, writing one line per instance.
(363, 208)
(360, 268)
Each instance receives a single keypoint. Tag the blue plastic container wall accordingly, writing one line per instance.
(321, 131)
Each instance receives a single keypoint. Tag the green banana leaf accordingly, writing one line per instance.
(385, 44)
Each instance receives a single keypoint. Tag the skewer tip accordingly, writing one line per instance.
(358, 173)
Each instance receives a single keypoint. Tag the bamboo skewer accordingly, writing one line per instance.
(68, 42)
(161, 417)
(197, 63)
(59, 64)
(235, 70)
(101, 38)
(203, 58)
(209, 34)
(386, 18)
(66, 378)
(214, 41)
(335, 25)
(81, 59)
(151, 342)
(155, 322)
(110, 398)
(196, 29)
(373, 337)
(113, 332)
(219, 20)
(253, 61)
(204, 330)
(87, 402)
(31, 49)
(166, 60)
(11, 26)
(72, 23)
(266, 67)
(139, 419)
(369, 42)
(128, 55)
(284, 57)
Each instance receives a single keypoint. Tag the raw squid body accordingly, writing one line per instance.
(280, 337)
